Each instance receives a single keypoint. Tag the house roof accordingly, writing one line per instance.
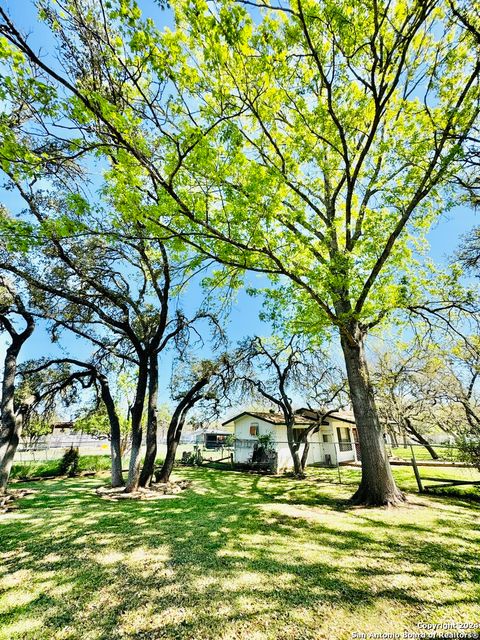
(308, 416)
(267, 416)
(343, 416)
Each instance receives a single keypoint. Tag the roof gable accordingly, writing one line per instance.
(267, 416)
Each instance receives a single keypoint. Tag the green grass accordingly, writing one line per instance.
(405, 478)
(45, 468)
(51, 467)
(445, 452)
(237, 557)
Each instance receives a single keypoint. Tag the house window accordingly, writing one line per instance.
(344, 443)
(326, 437)
(254, 429)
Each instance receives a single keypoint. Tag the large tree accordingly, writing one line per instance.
(407, 391)
(312, 142)
(111, 286)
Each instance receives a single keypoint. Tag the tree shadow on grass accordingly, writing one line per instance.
(224, 559)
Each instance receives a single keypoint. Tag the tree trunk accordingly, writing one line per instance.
(136, 428)
(151, 452)
(394, 438)
(115, 434)
(306, 449)
(173, 438)
(10, 427)
(175, 427)
(420, 439)
(294, 447)
(377, 486)
(8, 451)
(304, 458)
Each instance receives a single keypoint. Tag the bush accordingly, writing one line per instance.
(69, 465)
(469, 450)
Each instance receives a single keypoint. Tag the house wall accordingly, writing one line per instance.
(318, 448)
(244, 441)
(342, 456)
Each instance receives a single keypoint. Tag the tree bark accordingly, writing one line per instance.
(294, 447)
(151, 452)
(167, 467)
(304, 457)
(175, 427)
(173, 438)
(377, 486)
(115, 434)
(10, 425)
(136, 428)
(8, 449)
(420, 439)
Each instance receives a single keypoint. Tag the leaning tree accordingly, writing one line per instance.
(204, 383)
(69, 373)
(311, 142)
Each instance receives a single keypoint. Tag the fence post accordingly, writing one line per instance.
(231, 459)
(416, 471)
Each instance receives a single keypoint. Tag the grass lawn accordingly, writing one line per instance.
(445, 452)
(236, 557)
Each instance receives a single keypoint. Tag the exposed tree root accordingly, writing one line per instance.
(154, 492)
(8, 500)
(365, 497)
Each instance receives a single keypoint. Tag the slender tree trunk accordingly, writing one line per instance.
(115, 434)
(175, 427)
(394, 438)
(305, 452)
(151, 452)
(306, 449)
(294, 446)
(173, 438)
(377, 486)
(136, 428)
(419, 438)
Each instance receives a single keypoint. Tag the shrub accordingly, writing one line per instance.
(69, 464)
(469, 449)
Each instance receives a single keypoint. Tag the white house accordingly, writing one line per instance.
(336, 440)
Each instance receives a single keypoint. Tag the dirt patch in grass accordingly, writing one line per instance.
(8, 501)
(155, 492)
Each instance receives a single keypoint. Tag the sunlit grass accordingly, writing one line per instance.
(237, 556)
(445, 452)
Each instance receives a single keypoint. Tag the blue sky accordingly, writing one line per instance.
(444, 237)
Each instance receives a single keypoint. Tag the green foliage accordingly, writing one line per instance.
(229, 441)
(469, 447)
(266, 441)
(35, 469)
(69, 464)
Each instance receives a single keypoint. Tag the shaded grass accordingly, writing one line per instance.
(236, 557)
